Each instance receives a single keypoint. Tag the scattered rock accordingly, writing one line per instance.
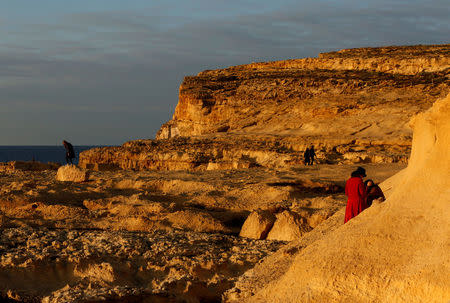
(72, 173)
(288, 226)
(258, 224)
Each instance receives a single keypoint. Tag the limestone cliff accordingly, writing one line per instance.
(354, 105)
(301, 97)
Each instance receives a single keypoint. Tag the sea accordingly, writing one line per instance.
(56, 154)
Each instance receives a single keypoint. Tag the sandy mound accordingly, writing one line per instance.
(395, 251)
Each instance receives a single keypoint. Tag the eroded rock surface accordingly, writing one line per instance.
(258, 224)
(84, 266)
(126, 236)
(288, 226)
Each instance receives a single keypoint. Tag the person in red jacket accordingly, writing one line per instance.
(355, 190)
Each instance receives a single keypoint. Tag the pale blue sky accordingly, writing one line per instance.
(108, 71)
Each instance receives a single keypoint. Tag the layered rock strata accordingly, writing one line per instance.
(353, 105)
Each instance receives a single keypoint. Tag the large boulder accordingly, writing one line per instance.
(257, 225)
(72, 173)
(288, 226)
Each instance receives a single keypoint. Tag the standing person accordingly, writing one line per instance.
(373, 192)
(355, 190)
(70, 153)
(306, 156)
(312, 154)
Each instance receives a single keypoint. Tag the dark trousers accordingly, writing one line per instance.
(69, 159)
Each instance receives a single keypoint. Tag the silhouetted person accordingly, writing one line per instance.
(312, 154)
(373, 192)
(70, 153)
(307, 159)
(355, 190)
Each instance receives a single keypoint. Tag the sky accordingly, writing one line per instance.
(103, 72)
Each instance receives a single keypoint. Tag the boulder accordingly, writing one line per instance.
(72, 173)
(288, 226)
(257, 225)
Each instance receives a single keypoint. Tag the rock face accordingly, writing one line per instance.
(284, 226)
(288, 226)
(299, 97)
(72, 173)
(354, 105)
(396, 251)
(257, 225)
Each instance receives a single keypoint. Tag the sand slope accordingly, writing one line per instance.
(397, 251)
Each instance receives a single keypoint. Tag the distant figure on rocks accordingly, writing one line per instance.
(70, 153)
(306, 156)
(373, 192)
(312, 154)
(355, 190)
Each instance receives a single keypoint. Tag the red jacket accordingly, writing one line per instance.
(355, 190)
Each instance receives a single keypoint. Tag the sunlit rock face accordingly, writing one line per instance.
(299, 96)
(353, 105)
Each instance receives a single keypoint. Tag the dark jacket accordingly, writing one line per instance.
(69, 149)
(374, 192)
